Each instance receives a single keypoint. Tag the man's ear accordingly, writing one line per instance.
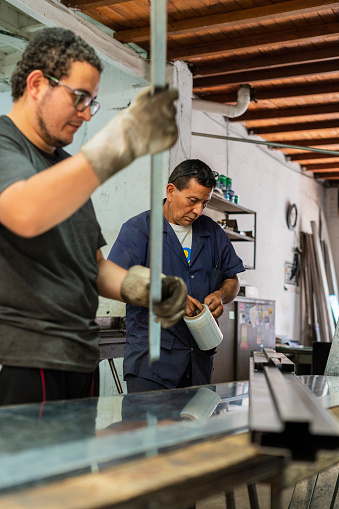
(35, 83)
(170, 189)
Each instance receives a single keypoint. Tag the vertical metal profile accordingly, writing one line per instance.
(324, 284)
(158, 64)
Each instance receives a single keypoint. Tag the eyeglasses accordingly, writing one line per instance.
(202, 174)
(82, 100)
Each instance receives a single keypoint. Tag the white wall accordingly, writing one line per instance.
(5, 102)
(266, 184)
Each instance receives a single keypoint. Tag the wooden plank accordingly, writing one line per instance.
(83, 5)
(322, 167)
(311, 156)
(222, 47)
(262, 94)
(52, 13)
(312, 142)
(292, 71)
(233, 19)
(298, 57)
(266, 114)
(170, 480)
(328, 176)
(302, 126)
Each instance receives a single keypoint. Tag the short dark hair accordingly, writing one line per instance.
(192, 165)
(52, 50)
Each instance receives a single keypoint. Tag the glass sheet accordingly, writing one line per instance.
(41, 442)
(326, 387)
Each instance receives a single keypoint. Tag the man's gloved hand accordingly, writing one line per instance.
(135, 290)
(147, 126)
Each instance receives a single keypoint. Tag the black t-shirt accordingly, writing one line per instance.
(48, 289)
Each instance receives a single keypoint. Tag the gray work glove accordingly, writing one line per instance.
(147, 126)
(135, 290)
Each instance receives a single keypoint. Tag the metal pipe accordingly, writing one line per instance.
(158, 63)
(227, 110)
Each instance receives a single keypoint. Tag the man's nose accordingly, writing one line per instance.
(86, 114)
(198, 209)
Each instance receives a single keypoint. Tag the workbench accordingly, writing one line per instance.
(138, 451)
(300, 356)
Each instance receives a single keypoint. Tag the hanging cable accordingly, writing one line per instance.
(268, 143)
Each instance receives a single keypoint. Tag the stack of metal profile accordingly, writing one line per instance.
(284, 413)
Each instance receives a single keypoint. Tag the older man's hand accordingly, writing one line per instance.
(215, 304)
(135, 290)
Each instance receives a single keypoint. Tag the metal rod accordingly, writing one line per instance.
(268, 143)
(115, 376)
(283, 413)
(158, 62)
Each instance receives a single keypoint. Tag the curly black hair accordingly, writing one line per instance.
(195, 169)
(52, 50)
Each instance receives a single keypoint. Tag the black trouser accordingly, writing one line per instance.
(34, 385)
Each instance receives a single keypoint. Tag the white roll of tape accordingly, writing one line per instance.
(204, 329)
(202, 405)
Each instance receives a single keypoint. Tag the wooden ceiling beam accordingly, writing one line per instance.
(291, 71)
(195, 52)
(311, 110)
(83, 5)
(234, 19)
(310, 156)
(292, 57)
(314, 142)
(262, 94)
(321, 167)
(328, 176)
(302, 126)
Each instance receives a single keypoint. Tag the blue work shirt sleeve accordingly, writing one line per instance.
(131, 245)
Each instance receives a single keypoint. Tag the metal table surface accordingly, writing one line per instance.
(59, 439)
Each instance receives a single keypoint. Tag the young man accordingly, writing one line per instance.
(51, 265)
(197, 250)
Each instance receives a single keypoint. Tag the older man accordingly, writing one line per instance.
(197, 250)
(51, 264)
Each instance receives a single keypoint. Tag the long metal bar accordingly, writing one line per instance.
(158, 62)
(283, 413)
(323, 279)
(267, 143)
(115, 376)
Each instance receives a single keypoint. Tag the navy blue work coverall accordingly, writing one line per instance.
(213, 260)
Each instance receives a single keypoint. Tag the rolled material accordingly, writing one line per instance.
(202, 405)
(204, 329)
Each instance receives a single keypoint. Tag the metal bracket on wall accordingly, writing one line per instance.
(283, 413)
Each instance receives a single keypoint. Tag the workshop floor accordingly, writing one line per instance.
(297, 497)
(242, 501)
